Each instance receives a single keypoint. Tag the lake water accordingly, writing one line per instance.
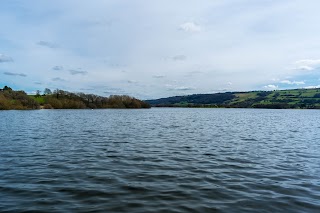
(160, 160)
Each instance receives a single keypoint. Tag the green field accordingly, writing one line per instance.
(39, 99)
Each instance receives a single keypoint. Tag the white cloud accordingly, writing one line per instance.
(312, 87)
(307, 64)
(190, 27)
(292, 82)
(271, 87)
(183, 88)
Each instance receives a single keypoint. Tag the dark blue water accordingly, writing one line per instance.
(160, 160)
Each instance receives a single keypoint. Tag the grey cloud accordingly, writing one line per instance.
(57, 79)
(132, 81)
(179, 58)
(111, 92)
(307, 64)
(120, 92)
(86, 89)
(193, 73)
(48, 44)
(115, 65)
(57, 68)
(102, 87)
(219, 90)
(196, 72)
(78, 72)
(104, 90)
(15, 74)
(182, 88)
(38, 83)
(114, 89)
(159, 76)
(4, 58)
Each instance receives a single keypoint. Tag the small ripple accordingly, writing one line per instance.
(176, 160)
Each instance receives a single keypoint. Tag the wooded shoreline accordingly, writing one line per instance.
(60, 99)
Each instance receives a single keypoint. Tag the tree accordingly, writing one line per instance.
(6, 88)
(47, 91)
(57, 92)
(38, 93)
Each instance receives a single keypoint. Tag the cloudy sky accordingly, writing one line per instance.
(159, 48)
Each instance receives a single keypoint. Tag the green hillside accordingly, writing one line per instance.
(278, 99)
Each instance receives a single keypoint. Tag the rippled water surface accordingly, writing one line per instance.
(160, 160)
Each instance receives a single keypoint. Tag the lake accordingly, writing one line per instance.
(160, 160)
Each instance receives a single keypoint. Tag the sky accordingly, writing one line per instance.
(159, 48)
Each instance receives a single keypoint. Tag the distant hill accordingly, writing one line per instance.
(60, 99)
(278, 99)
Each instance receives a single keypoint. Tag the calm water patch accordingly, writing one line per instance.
(160, 160)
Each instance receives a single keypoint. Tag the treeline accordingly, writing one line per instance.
(60, 99)
(10, 99)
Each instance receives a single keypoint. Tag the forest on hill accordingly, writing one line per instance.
(60, 99)
(277, 99)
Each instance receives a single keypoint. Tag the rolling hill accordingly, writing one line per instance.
(277, 99)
